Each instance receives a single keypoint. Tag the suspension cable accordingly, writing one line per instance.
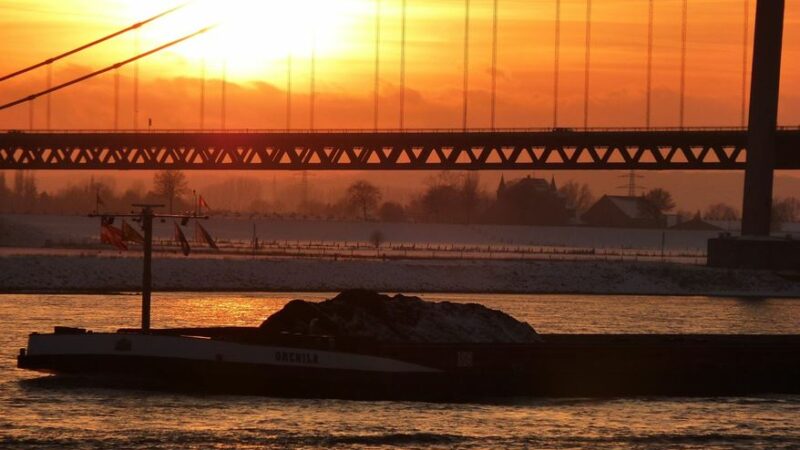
(116, 99)
(587, 62)
(30, 115)
(745, 36)
(289, 91)
(556, 61)
(465, 100)
(32, 97)
(649, 94)
(93, 43)
(136, 84)
(494, 66)
(48, 100)
(312, 98)
(224, 95)
(203, 93)
(403, 65)
(649, 89)
(684, 26)
(376, 87)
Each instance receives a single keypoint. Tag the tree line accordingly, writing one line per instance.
(448, 197)
(24, 197)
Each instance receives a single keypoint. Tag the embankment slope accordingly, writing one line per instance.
(48, 273)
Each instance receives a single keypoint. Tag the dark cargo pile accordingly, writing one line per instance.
(399, 319)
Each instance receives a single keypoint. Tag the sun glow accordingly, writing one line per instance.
(251, 36)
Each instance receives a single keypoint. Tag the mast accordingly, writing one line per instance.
(146, 217)
(147, 277)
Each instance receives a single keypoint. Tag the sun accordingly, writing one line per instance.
(251, 35)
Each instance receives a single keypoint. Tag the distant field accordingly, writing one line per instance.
(34, 231)
(63, 253)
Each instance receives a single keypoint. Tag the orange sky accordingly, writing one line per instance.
(257, 35)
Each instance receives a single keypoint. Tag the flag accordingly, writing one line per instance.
(112, 235)
(206, 236)
(129, 234)
(181, 239)
(202, 203)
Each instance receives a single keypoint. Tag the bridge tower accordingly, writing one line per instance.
(754, 249)
(761, 142)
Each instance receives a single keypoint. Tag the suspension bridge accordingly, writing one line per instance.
(758, 146)
(667, 149)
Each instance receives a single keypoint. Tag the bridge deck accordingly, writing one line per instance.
(593, 149)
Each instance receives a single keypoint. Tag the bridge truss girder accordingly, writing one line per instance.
(419, 150)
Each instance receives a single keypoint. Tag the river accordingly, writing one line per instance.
(37, 412)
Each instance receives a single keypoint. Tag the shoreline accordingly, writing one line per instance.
(104, 291)
(742, 295)
(113, 275)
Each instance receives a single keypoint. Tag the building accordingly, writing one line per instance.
(529, 201)
(697, 224)
(623, 212)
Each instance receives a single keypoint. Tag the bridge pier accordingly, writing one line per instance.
(755, 249)
(761, 143)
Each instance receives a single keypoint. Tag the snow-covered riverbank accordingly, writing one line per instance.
(71, 231)
(103, 273)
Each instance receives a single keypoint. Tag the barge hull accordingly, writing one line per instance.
(560, 366)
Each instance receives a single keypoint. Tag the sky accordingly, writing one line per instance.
(255, 40)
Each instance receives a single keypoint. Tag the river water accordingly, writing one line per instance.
(37, 412)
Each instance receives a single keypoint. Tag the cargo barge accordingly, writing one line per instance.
(363, 345)
(243, 360)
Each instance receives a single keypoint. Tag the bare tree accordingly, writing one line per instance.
(785, 210)
(470, 192)
(578, 196)
(30, 192)
(441, 203)
(363, 196)
(170, 185)
(377, 238)
(660, 199)
(721, 211)
(392, 212)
